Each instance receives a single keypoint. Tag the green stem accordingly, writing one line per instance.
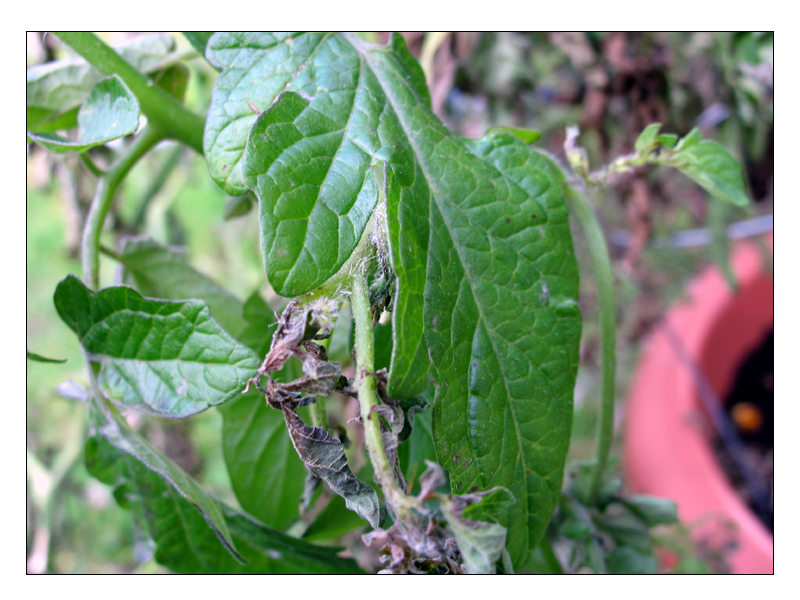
(95, 170)
(164, 171)
(319, 417)
(106, 189)
(368, 398)
(161, 109)
(598, 250)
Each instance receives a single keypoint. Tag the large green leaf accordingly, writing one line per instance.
(115, 443)
(185, 543)
(479, 237)
(161, 272)
(111, 111)
(58, 87)
(266, 474)
(167, 358)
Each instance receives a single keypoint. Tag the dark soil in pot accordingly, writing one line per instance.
(750, 408)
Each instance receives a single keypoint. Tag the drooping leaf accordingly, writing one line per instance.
(42, 359)
(185, 543)
(167, 358)
(111, 111)
(115, 438)
(323, 455)
(58, 87)
(479, 235)
(163, 272)
(712, 167)
(266, 474)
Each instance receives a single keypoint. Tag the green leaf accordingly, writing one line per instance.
(58, 87)
(111, 111)
(167, 358)
(46, 122)
(652, 510)
(625, 528)
(114, 435)
(528, 136)
(667, 140)
(42, 359)
(323, 455)
(162, 272)
(647, 139)
(502, 328)
(479, 237)
(713, 168)
(266, 474)
(185, 543)
(628, 561)
(198, 40)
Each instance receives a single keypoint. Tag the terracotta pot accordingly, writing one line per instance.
(667, 451)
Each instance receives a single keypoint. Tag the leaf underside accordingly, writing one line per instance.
(170, 359)
(479, 236)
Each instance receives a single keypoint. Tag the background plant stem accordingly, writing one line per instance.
(106, 189)
(598, 251)
(161, 109)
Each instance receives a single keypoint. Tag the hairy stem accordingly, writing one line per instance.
(106, 189)
(366, 386)
(598, 250)
(162, 110)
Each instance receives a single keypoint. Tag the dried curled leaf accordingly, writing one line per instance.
(324, 457)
